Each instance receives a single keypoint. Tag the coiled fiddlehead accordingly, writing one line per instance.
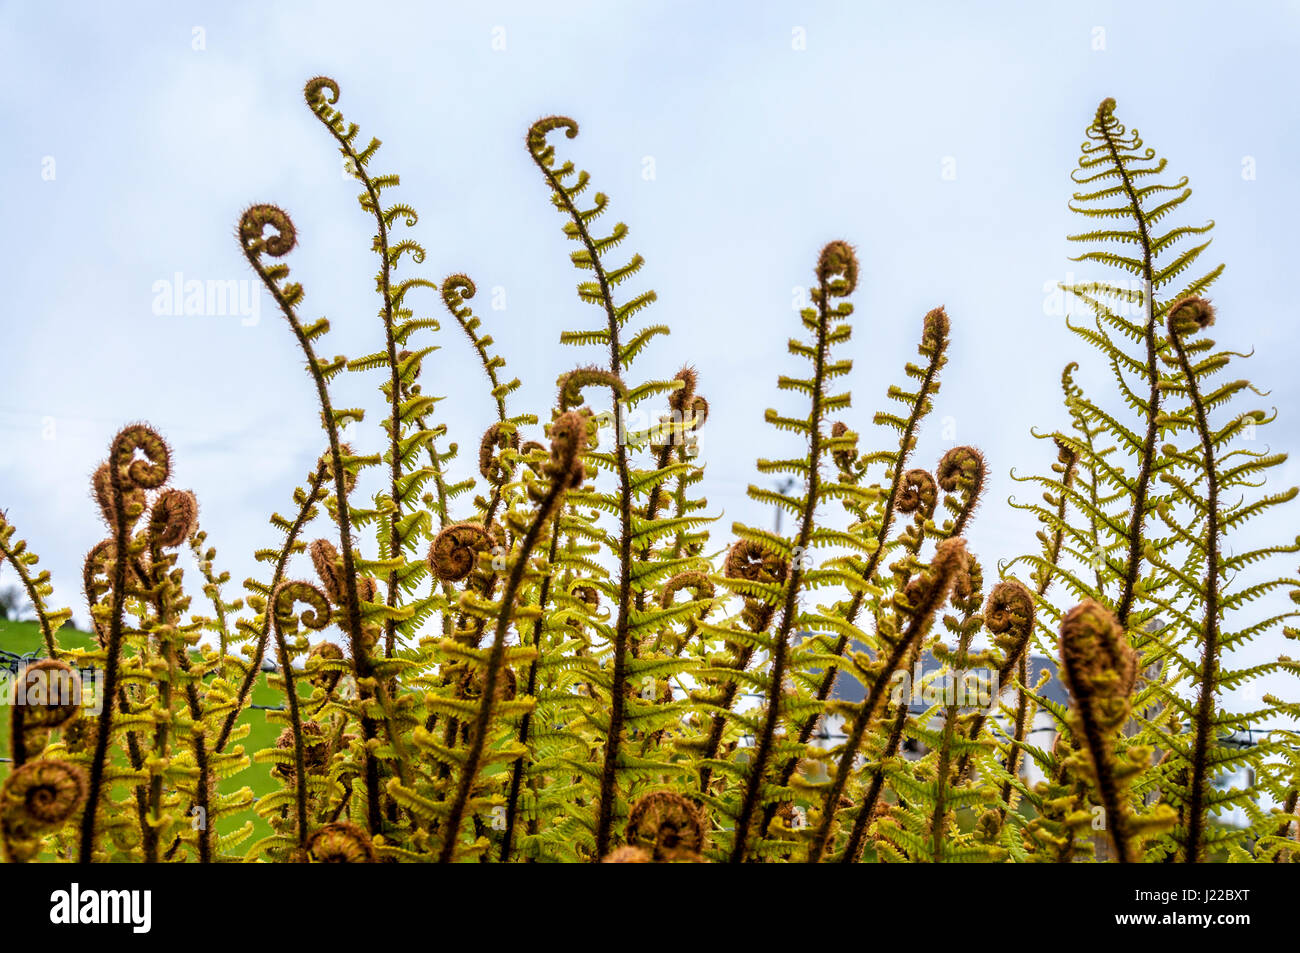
(668, 825)
(454, 552)
(126, 472)
(173, 519)
(917, 493)
(491, 464)
(961, 473)
(340, 843)
(315, 617)
(1100, 668)
(48, 695)
(39, 797)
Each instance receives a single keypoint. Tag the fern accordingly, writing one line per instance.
(559, 657)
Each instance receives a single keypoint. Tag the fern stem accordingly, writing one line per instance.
(857, 835)
(361, 663)
(1133, 564)
(149, 841)
(394, 381)
(255, 663)
(526, 722)
(1024, 712)
(113, 649)
(1206, 679)
(33, 594)
(483, 721)
(1017, 660)
(740, 662)
(812, 490)
(936, 592)
(295, 722)
(617, 712)
(868, 574)
(939, 816)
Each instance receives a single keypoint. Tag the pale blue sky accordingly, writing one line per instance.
(762, 152)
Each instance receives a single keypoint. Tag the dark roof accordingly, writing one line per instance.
(848, 688)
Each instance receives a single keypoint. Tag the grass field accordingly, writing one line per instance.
(25, 637)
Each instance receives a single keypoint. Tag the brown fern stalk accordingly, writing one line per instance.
(141, 474)
(281, 610)
(936, 329)
(1100, 668)
(251, 228)
(254, 668)
(1142, 483)
(752, 561)
(867, 808)
(1024, 710)
(1186, 317)
(314, 93)
(939, 816)
(1010, 615)
(933, 592)
(618, 712)
(565, 470)
(917, 496)
(161, 730)
(526, 722)
(836, 277)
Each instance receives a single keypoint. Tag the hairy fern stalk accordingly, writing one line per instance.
(565, 659)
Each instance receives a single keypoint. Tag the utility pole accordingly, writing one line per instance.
(785, 486)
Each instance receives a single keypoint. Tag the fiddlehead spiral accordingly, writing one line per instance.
(668, 825)
(697, 582)
(320, 677)
(1009, 615)
(50, 693)
(491, 465)
(252, 232)
(962, 471)
(572, 384)
(917, 493)
(101, 484)
(454, 552)
(173, 519)
(340, 843)
(1099, 668)
(47, 696)
(39, 797)
(317, 614)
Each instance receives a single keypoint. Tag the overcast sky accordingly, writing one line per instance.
(734, 139)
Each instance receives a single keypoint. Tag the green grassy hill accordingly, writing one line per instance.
(25, 637)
